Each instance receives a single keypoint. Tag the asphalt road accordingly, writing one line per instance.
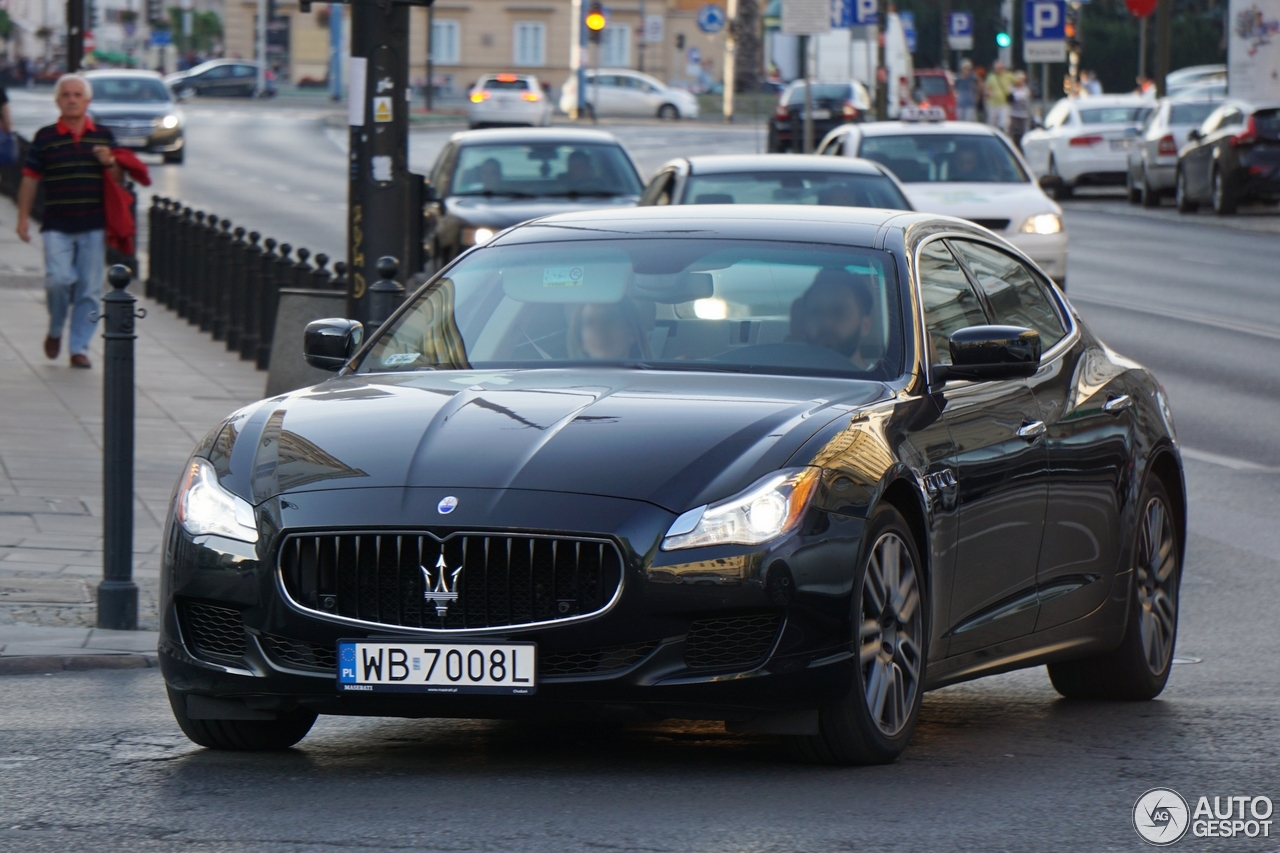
(93, 760)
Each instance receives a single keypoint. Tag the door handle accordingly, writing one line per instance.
(1032, 431)
(1116, 405)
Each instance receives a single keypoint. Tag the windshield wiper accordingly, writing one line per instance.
(488, 193)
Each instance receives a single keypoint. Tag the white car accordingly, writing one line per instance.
(508, 99)
(1153, 153)
(621, 92)
(1085, 141)
(964, 169)
(1196, 75)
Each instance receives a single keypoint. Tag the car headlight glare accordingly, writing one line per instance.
(169, 122)
(477, 236)
(205, 508)
(768, 509)
(1044, 223)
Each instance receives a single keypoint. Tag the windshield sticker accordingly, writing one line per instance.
(400, 359)
(562, 277)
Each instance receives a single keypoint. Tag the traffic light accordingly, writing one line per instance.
(1071, 26)
(1004, 33)
(91, 15)
(595, 21)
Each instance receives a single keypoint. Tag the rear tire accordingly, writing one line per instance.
(1181, 198)
(1061, 190)
(873, 723)
(242, 735)
(1224, 204)
(668, 111)
(1150, 196)
(1139, 668)
(1132, 191)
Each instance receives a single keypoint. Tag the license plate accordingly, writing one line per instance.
(131, 141)
(818, 115)
(1119, 144)
(418, 667)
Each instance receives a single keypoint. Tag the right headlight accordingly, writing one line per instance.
(1044, 223)
(205, 508)
(770, 508)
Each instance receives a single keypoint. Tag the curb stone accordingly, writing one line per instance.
(35, 664)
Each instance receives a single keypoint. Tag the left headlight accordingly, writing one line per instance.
(1044, 223)
(204, 507)
(169, 121)
(477, 236)
(768, 509)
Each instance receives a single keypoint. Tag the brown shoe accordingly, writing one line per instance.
(52, 346)
(79, 360)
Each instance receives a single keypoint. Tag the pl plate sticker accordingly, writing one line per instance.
(562, 277)
(400, 359)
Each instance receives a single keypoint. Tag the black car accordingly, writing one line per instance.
(1231, 159)
(789, 472)
(140, 112)
(773, 179)
(218, 78)
(834, 104)
(487, 180)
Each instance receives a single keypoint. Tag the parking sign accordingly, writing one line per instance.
(960, 31)
(908, 21)
(1044, 31)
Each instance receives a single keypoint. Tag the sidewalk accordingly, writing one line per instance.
(51, 466)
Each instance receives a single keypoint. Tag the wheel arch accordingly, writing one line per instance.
(1165, 465)
(905, 497)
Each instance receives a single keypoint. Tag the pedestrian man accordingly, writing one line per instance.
(72, 158)
(1019, 108)
(967, 93)
(998, 84)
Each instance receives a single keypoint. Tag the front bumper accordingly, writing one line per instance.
(515, 112)
(1049, 251)
(791, 599)
(157, 142)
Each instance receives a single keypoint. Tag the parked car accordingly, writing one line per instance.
(936, 87)
(1231, 159)
(508, 99)
(217, 78)
(1153, 152)
(834, 103)
(775, 179)
(486, 180)
(1195, 75)
(1084, 141)
(964, 169)
(622, 92)
(707, 463)
(139, 111)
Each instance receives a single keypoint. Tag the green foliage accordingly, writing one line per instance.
(6, 25)
(206, 29)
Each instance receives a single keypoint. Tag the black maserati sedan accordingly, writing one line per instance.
(711, 463)
(486, 180)
(1231, 159)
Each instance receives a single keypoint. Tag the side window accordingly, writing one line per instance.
(1013, 291)
(950, 302)
(834, 147)
(1057, 115)
(659, 189)
(1232, 119)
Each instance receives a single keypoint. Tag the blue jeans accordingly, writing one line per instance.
(73, 280)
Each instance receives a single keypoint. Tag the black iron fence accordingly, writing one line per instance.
(225, 280)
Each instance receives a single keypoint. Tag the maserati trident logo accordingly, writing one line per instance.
(443, 589)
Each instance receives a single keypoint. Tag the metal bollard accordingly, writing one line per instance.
(195, 270)
(182, 261)
(279, 275)
(302, 269)
(340, 276)
(386, 294)
(235, 289)
(252, 297)
(320, 277)
(118, 594)
(205, 258)
(219, 271)
(154, 239)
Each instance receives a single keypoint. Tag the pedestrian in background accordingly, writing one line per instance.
(998, 84)
(72, 157)
(1019, 108)
(1089, 83)
(966, 93)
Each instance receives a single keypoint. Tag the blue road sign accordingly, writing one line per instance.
(960, 24)
(160, 38)
(1045, 20)
(711, 19)
(908, 21)
(863, 12)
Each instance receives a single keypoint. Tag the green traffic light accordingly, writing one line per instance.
(1003, 40)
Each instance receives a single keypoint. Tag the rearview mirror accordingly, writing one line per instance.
(328, 344)
(991, 352)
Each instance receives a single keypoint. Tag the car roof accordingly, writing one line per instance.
(1112, 101)
(549, 136)
(121, 72)
(717, 164)
(895, 128)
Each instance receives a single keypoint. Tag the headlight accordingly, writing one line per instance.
(1045, 223)
(477, 236)
(204, 507)
(768, 509)
(169, 122)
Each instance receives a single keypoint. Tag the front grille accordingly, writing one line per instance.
(993, 224)
(213, 633)
(130, 127)
(301, 654)
(734, 641)
(593, 661)
(466, 581)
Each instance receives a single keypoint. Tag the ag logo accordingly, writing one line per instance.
(1161, 816)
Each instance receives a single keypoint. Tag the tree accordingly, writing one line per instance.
(747, 46)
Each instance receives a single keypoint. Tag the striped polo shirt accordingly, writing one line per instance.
(71, 175)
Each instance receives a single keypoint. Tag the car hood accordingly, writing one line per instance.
(499, 212)
(673, 439)
(1014, 202)
(106, 112)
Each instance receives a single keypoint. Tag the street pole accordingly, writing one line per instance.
(383, 199)
(431, 56)
(335, 51)
(117, 593)
(75, 35)
(260, 47)
(945, 13)
(807, 50)
(1142, 46)
(578, 47)
(1164, 39)
(640, 43)
(882, 73)
(730, 58)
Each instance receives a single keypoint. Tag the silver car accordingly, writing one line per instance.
(508, 99)
(1153, 152)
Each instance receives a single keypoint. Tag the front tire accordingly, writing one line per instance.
(668, 111)
(1139, 668)
(1181, 198)
(1061, 190)
(1131, 189)
(242, 735)
(1150, 196)
(873, 724)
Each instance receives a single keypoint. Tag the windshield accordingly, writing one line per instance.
(945, 158)
(1191, 113)
(129, 90)
(498, 83)
(834, 188)
(820, 92)
(668, 304)
(1114, 115)
(544, 170)
(933, 86)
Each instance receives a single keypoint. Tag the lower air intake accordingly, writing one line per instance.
(213, 633)
(732, 642)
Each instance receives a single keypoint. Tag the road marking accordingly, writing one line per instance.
(1269, 332)
(1227, 461)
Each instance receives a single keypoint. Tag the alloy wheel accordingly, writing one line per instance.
(1157, 585)
(890, 634)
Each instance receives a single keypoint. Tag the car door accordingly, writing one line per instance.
(244, 80)
(1199, 157)
(1001, 471)
(1088, 437)
(217, 81)
(439, 239)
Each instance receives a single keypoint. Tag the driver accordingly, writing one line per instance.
(611, 331)
(965, 165)
(490, 175)
(578, 173)
(835, 313)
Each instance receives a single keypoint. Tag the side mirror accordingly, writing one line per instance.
(328, 344)
(1050, 182)
(429, 192)
(1194, 135)
(991, 352)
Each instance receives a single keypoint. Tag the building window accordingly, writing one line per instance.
(444, 42)
(530, 44)
(615, 46)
